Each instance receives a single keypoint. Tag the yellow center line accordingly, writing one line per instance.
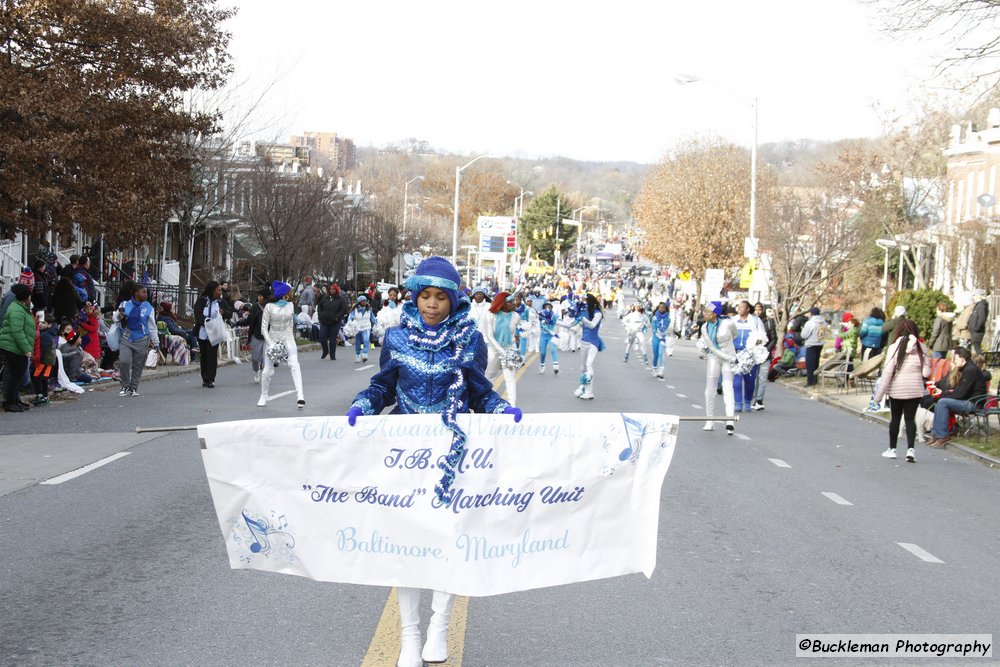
(385, 644)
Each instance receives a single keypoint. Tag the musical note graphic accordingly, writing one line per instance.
(634, 432)
(256, 526)
(263, 539)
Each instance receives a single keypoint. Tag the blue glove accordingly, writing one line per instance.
(513, 411)
(353, 414)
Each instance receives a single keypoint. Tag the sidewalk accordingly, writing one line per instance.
(855, 403)
(171, 370)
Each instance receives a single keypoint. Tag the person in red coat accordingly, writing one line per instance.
(90, 328)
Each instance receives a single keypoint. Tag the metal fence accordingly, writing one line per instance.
(108, 293)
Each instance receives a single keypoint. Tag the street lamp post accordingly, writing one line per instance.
(518, 212)
(468, 263)
(458, 183)
(579, 231)
(402, 236)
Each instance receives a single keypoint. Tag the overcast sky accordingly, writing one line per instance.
(586, 80)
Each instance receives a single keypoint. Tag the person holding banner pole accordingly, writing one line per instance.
(433, 362)
(716, 342)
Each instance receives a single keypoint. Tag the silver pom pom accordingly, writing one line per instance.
(276, 352)
(511, 359)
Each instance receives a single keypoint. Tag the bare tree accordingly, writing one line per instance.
(284, 217)
(812, 241)
(967, 29)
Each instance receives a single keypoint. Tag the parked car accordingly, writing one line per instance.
(538, 267)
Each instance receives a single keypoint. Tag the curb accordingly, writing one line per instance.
(969, 452)
(174, 371)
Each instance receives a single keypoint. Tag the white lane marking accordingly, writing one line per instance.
(85, 469)
(779, 463)
(361, 368)
(696, 406)
(681, 396)
(284, 393)
(919, 553)
(670, 386)
(837, 499)
(742, 436)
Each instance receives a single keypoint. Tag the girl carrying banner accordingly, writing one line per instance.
(433, 362)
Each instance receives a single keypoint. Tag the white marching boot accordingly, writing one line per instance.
(436, 648)
(409, 621)
(265, 384)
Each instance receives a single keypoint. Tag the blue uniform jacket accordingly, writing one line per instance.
(415, 376)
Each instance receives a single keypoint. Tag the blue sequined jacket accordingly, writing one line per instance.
(417, 367)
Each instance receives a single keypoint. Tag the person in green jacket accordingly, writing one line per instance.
(17, 342)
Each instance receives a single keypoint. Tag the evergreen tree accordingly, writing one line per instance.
(541, 223)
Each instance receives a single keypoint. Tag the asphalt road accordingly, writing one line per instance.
(125, 565)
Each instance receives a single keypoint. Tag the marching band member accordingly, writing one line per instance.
(635, 333)
(750, 333)
(716, 341)
(660, 322)
(434, 358)
(500, 331)
(276, 325)
(591, 318)
(547, 340)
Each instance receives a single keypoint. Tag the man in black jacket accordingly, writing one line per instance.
(971, 383)
(332, 309)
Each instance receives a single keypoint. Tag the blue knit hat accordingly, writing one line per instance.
(280, 289)
(436, 272)
(716, 307)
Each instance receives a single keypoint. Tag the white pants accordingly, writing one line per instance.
(587, 371)
(493, 370)
(293, 365)
(714, 368)
(638, 340)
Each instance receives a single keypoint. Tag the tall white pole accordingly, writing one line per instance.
(458, 183)
(454, 229)
(406, 197)
(753, 183)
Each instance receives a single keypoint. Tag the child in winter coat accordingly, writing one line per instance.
(433, 362)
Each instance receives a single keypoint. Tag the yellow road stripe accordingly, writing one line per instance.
(384, 647)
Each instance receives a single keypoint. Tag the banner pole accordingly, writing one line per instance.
(158, 429)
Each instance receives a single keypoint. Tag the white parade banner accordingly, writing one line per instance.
(554, 499)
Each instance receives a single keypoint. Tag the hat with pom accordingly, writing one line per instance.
(27, 277)
(436, 272)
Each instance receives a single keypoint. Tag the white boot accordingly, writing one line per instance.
(409, 620)
(297, 381)
(265, 385)
(436, 648)
(555, 367)
(541, 369)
